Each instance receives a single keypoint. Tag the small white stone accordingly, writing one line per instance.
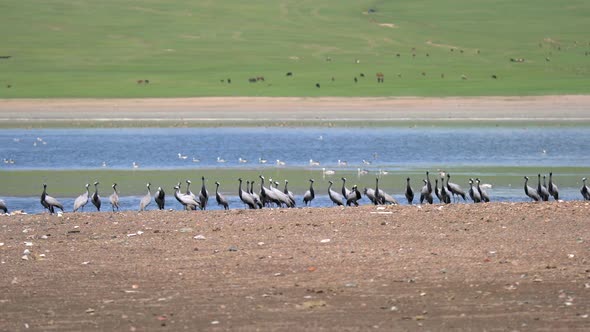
(325, 241)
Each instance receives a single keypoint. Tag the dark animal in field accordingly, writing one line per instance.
(317, 85)
(289, 74)
(139, 81)
(355, 79)
(380, 77)
(362, 75)
(495, 77)
(252, 80)
(260, 78)
(229, 81)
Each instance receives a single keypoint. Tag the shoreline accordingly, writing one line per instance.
(289, 111)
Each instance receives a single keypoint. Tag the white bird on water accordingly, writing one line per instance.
(182, 156)
(314, 162)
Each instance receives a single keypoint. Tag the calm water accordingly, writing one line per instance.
(381, 148)
(387, 148)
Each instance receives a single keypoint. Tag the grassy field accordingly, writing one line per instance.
(132, 182)
(190, 48)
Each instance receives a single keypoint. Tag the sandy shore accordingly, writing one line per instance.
(495, 267)
(569, 108)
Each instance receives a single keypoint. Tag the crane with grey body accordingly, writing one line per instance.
(245, 197)
(3, 206)
(254, 195)
(96, 197)
(114, 198)
(289, 193)
(454, 188)
(484, 195)
(553, 190)
(425, 194)
(585, 191)
(49, 202)
(529, 191)
(444, 195)
(160, 198)
(345, 191)
(187, 201)
(474, 193)
(220, 198)
(542, 190)
(409, 192)
(309, 194)
(203, 194)
(82, 200)
(354, 196)
(146, 200)
(335, 197)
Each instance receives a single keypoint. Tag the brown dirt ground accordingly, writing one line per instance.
(495, 267)
(568, 108)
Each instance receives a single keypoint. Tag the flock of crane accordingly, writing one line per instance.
(272, 196)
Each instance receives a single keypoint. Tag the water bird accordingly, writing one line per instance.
(360, 172)
(309, 194)
(187, 201)
(335, 197)
(135, 165)
(284, 198)
(220, 160)
(203, 194)
(585, 190)
(353, 197)
(182, 156)
(49, 202)
(444, 195)
(342, 162)
(280, 163)
(529, 191)
(82, 200)
(95, 199)
(382, 172)
(220, 198)
(553, 190)
(454, 188)
(484, 195)
(289, 193)
(314, 163)
(104, 164)
(542, 190)
(254, 195)
(114, 198)
(327, 171)
(146, 200)
(242, 160)
(474, 193)
(160, 198)
(196, 160)
(3, 206)
(262, 161)
(409, 192)
(345, 191)
(189, 192)
(366, 162)
(425, 194)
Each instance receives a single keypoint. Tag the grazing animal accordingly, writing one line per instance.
(309, 194)
(3, 206)
(454, 188)
(82, 200)
(95, 197)
(529, 191)
(220, 198)
(335, 197)
(160, 198)
(49, 202)
(114, 198)
(409, 192)
(145, 200)
(317, 85)
(541, 190)
(474, 193)
(553, 190)
(484, 196)
(380, 77)
(289, 74)
(585, 190)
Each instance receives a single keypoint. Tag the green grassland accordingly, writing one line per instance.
(132, 182)
(83, 48)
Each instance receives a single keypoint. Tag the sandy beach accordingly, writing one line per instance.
(494, 267)
(217, 110)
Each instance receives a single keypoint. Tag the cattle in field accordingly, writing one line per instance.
(289, 74)
(380, 77)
